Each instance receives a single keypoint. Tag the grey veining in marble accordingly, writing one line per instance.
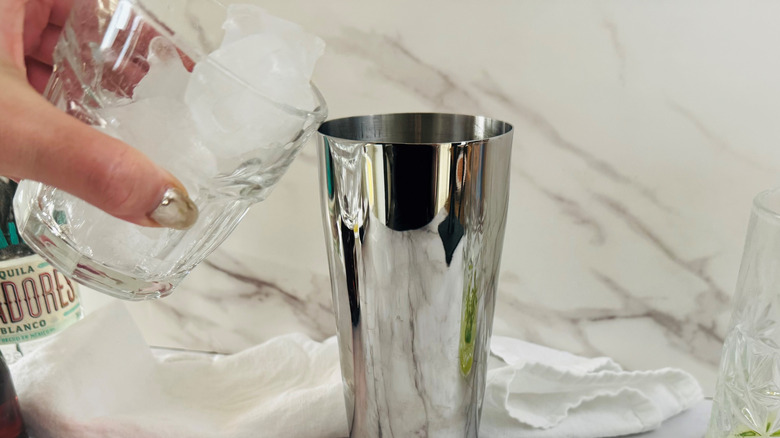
(643, 130)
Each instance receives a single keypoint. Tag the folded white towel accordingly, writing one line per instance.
(99, 379)
(549, 393)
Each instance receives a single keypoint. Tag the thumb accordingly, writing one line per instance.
(41, 143)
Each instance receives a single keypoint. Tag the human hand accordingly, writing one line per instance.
(39, 142)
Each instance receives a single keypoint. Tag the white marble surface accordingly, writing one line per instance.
(643, 130)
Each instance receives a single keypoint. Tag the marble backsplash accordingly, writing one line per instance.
(642, 132)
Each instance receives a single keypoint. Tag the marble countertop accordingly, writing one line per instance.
(642, 132)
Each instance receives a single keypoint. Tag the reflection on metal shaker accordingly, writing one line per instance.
(414, 209)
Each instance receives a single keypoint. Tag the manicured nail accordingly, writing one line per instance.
(176, 210)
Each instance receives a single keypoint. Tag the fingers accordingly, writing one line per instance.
(38, 74)
(39, 62)
(43, 50)
(59, 12)
(36, 18)
(11, 26)
(39, 142)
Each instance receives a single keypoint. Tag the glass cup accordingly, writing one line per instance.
(747, 395)
(141, 71)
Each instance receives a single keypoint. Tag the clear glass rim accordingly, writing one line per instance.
(767, 203)
(320, 111)
(391, 128)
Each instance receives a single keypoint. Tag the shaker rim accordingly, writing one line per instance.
(374, 128)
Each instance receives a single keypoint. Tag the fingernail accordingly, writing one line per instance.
(176, 210)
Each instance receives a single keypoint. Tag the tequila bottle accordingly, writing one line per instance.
(36, 300)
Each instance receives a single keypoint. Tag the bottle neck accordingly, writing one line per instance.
(11, 244)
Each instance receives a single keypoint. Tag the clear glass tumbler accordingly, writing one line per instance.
(747, 396)
(141, 70)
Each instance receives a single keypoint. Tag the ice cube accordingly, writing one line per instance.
(167, 75)
(275, 59)
(272, 66)
(244, 20)
(158, 123)
(162, 128)
(232, 120)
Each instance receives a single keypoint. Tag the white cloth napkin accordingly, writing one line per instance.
(541, 392)
(100, 379)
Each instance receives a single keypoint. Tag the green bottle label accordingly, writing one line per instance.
(36, 300)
